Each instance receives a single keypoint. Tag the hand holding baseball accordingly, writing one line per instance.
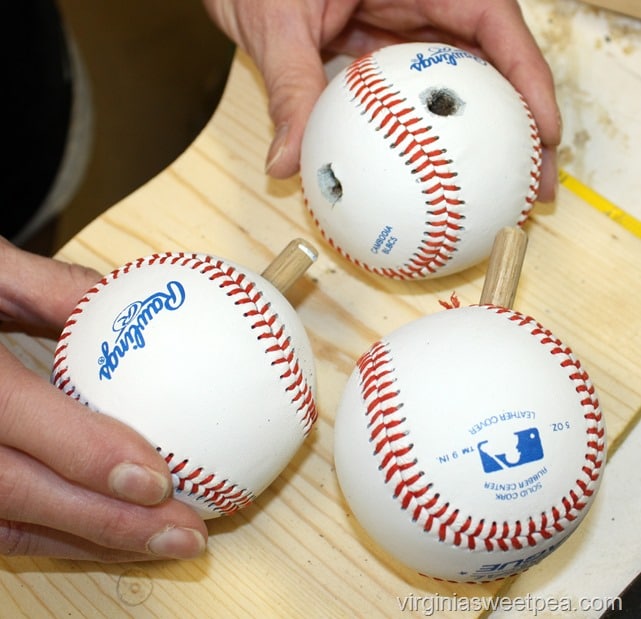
(415, 156)
(203, 357)
(292, 67)
(72, 484)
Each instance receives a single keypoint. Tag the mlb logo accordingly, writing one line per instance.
(517, 449)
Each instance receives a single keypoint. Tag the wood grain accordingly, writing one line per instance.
(626, 7)
(504, 267)
(288, 266)
(298, 551)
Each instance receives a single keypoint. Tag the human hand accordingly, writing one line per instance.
(286, 37)
(73, 483)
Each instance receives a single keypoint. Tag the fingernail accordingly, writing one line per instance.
(277, 147)
(549, 171)
(139, 484)
(177, 543)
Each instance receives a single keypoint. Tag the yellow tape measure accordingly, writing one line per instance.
(600, 203)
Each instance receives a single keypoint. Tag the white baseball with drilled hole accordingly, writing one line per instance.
(205, 359)
(415, 156)
(469, 444)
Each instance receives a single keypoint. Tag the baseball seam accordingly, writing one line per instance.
(220, 495)
(415, 492)
(418, 146)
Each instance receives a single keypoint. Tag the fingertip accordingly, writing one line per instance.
(139, 484)
(292, 92)
(283, 156)
(178, 543)
(548, 186)
(279, 164)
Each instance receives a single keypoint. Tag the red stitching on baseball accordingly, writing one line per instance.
(222, 496)
(379, 102)
(412, 486)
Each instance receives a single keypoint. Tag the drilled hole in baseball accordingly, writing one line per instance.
(329, 185)
(442, 102)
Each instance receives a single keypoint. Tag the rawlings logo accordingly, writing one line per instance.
(131, 323)
(438, 55)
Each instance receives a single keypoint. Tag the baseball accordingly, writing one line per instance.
(415, 156)
(205, 359)
(469, 444)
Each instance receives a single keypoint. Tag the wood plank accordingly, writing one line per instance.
(626, 7)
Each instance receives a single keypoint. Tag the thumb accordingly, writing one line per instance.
(38, 290)
(294, 77)
(283, 37)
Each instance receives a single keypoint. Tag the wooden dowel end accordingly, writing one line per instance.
(290, 264)
(504, 268)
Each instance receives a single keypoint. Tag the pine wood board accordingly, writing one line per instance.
(626, 7)
(298, 551)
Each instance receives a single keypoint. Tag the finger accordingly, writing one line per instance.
(294, 78)
(39, 290)
(88, 448)
(284, 39)
(32, 494)
(22, 539)
(517, 55)
(549, 176)
(358, 39)
(531, 76)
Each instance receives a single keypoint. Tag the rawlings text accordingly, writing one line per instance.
(130, 325)
(437, 55)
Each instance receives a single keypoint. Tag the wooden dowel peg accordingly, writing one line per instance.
(504, 267)
(290, 264)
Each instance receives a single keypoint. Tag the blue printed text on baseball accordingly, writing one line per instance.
(130, 325)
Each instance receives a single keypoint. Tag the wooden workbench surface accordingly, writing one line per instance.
(297, 552)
